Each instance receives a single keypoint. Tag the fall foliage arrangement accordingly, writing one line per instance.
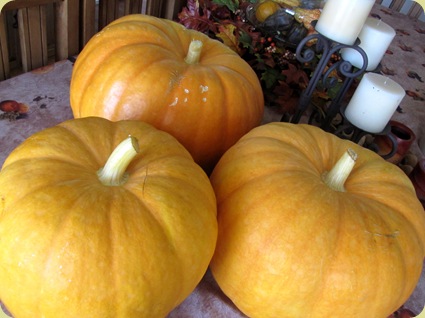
(268, 47)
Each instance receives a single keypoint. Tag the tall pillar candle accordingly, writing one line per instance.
(342, 20)
(375, 37)
(374, 102)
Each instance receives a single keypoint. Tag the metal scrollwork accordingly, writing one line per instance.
(331, 118)
(323, 75)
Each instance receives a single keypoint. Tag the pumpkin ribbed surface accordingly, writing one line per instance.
(71, 246)
(290, 246)
(135, 68)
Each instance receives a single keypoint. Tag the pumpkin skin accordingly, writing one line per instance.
(289, 246)
(73, 247)
(135, 68)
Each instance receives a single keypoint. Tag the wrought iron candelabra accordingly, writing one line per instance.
(332, 118)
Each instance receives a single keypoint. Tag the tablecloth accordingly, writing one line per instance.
(43, 96)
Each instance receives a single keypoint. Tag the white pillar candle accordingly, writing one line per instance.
(375, 38)
(342, 20)
(374, 102)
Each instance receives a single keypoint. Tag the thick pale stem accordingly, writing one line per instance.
(194, 53)
(336, 178)
(113, 173)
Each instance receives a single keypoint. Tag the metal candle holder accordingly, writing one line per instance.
(347, 130)
(322, 75)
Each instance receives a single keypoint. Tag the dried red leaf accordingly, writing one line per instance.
(288, 105)
(295, 75)
(43, 69)
(12, 106)
(283, 90)
(194, 17)
(9, 106)
(23, 108)
(268, 60)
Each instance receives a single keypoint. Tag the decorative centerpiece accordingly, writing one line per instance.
(265, 34)
(309, 59)
(272, 36)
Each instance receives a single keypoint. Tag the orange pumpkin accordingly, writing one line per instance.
(179, 80)
(131, 239)
(304, 234)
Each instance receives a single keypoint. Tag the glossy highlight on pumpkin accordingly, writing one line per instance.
(136, 68)
(75, 243)
(290, 246)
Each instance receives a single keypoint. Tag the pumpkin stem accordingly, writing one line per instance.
(336, 178)
(113, 173)
(194, 53)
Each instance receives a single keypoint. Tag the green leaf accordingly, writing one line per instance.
(259, 58)
(333, 91)
(245, 39)
(233, 5)
(270, 76)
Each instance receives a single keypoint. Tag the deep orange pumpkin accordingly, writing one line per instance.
(295, 240)
(140, 67)
(79, 240)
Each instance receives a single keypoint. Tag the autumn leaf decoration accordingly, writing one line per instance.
(281, 75)
(194, 17)
(227, 34)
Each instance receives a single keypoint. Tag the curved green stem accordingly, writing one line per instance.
(113, 173)
(335, 179)
(194, 52)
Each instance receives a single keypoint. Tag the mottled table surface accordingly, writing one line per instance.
(44, 95)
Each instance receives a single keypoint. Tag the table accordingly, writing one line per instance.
(45, 92)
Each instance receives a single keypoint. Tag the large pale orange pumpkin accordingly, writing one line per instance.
(299, 238)
(131, 239)
(179, 80)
